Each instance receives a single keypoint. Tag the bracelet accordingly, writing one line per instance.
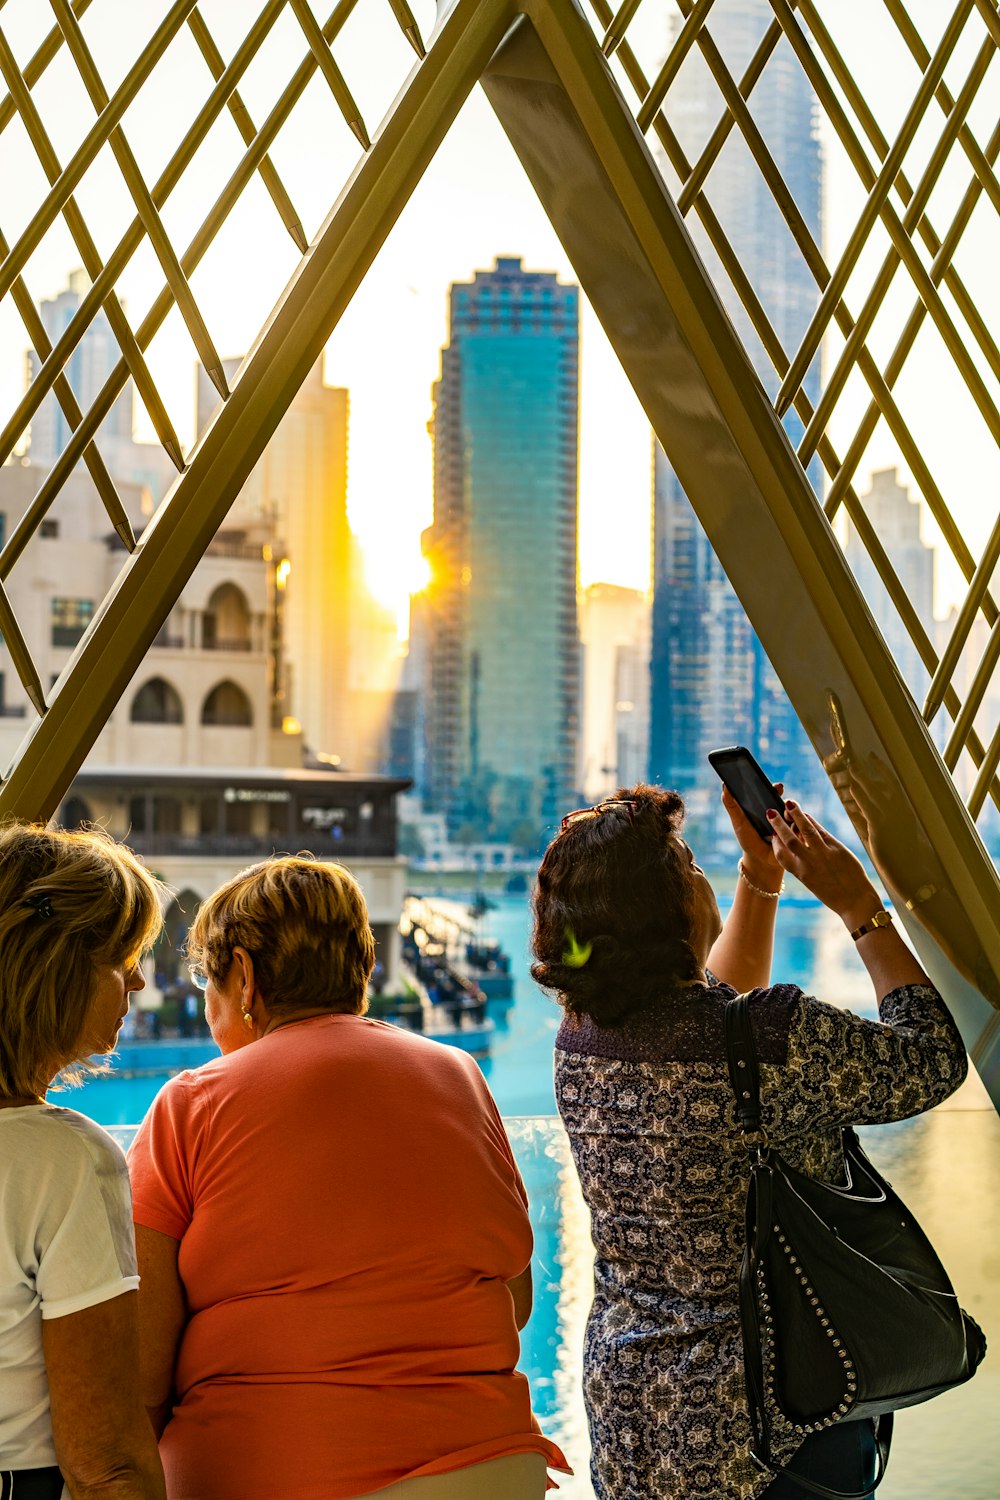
(768, 895)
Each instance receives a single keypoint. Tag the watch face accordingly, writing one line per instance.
(881, 919)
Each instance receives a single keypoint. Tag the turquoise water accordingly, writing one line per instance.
(946, 1166)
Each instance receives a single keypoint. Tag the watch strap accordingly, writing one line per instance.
(882, 918)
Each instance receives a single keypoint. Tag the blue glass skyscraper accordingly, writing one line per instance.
(711, 683)
(500, 615)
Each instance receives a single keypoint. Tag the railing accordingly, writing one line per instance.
(240, 551)
(260, 846)
(947, 1447)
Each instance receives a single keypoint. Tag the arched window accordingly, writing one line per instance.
(227, 704)
(226, 625)
(170, 964)
(157, 702)
(76, 813)
(167, 814)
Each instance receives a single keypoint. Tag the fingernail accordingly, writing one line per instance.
(771, 813)
(790, 803)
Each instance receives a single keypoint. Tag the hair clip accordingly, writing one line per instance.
(42, 905)
(576, 954)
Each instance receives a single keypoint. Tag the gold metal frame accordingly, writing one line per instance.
(559, 84)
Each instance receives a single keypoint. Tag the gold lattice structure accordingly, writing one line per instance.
(585, 98)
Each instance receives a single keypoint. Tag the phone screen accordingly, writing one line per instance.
(748, 784)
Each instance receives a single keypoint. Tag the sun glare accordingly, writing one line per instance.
(395, 569)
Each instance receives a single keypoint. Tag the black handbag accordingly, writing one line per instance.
(847, 1312)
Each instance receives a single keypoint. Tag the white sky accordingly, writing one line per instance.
(473, 204)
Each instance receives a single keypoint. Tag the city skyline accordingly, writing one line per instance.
(711, 683)
(385, 346)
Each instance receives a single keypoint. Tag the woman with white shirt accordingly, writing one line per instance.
(77, 912)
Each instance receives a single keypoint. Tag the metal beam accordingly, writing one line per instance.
(289, 345)
(588, 162)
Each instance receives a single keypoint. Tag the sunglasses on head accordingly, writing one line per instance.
(627, 803)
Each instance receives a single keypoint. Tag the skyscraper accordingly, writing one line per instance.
(711, 683)
(896, 520)
(87, 370)
(502, 640)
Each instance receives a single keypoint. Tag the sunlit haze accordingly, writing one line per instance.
(473, 205)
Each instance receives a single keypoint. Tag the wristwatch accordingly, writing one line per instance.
(881, 918)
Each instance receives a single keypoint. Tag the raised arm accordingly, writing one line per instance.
(741, 955)
(833, 874)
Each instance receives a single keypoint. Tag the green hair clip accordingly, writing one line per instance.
(576, 954)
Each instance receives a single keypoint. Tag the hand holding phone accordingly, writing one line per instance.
(749, 785)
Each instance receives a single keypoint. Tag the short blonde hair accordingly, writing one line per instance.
(68, 903)
(304, 923)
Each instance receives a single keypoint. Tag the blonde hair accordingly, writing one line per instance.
(304, 923)
(68, 903)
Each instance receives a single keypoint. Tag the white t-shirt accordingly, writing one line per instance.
(66, 1243)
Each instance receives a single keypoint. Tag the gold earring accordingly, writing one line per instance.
(247, 1020)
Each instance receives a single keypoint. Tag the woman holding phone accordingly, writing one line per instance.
(629, 937)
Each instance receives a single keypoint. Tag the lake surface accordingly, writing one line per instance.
(946, 1165)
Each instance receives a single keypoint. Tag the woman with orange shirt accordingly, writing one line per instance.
(332, 1235)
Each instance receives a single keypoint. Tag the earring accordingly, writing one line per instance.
(247, 1020)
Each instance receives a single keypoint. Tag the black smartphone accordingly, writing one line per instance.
(748, 784)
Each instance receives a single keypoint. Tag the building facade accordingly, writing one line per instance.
(87, 369)
(202, 695)
(500, 612)
(203, 763)
(896, 521)
(711, 682)
(614, 634)
(196, 826)
(296, 498)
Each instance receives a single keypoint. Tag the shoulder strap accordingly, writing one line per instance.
(744, 1073)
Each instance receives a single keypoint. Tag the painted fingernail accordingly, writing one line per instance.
(790, 803)
(771, 813)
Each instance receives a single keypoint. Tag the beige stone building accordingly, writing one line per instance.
(203, 764)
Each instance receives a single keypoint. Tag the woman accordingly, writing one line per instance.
(332, 1233)
(77, 912)
(628, 934)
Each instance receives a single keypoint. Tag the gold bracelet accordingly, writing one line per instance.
(768, 895)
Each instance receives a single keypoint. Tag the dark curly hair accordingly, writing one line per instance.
(618, 881)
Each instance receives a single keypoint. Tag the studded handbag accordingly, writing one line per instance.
(847, 1312)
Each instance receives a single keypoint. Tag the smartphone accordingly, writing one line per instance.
(748, 784)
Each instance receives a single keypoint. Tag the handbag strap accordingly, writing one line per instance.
(741, 1054)
(744, 1075)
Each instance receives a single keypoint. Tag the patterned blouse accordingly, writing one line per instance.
(650, 1115)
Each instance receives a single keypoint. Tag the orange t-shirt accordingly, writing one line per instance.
(349, 1212)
